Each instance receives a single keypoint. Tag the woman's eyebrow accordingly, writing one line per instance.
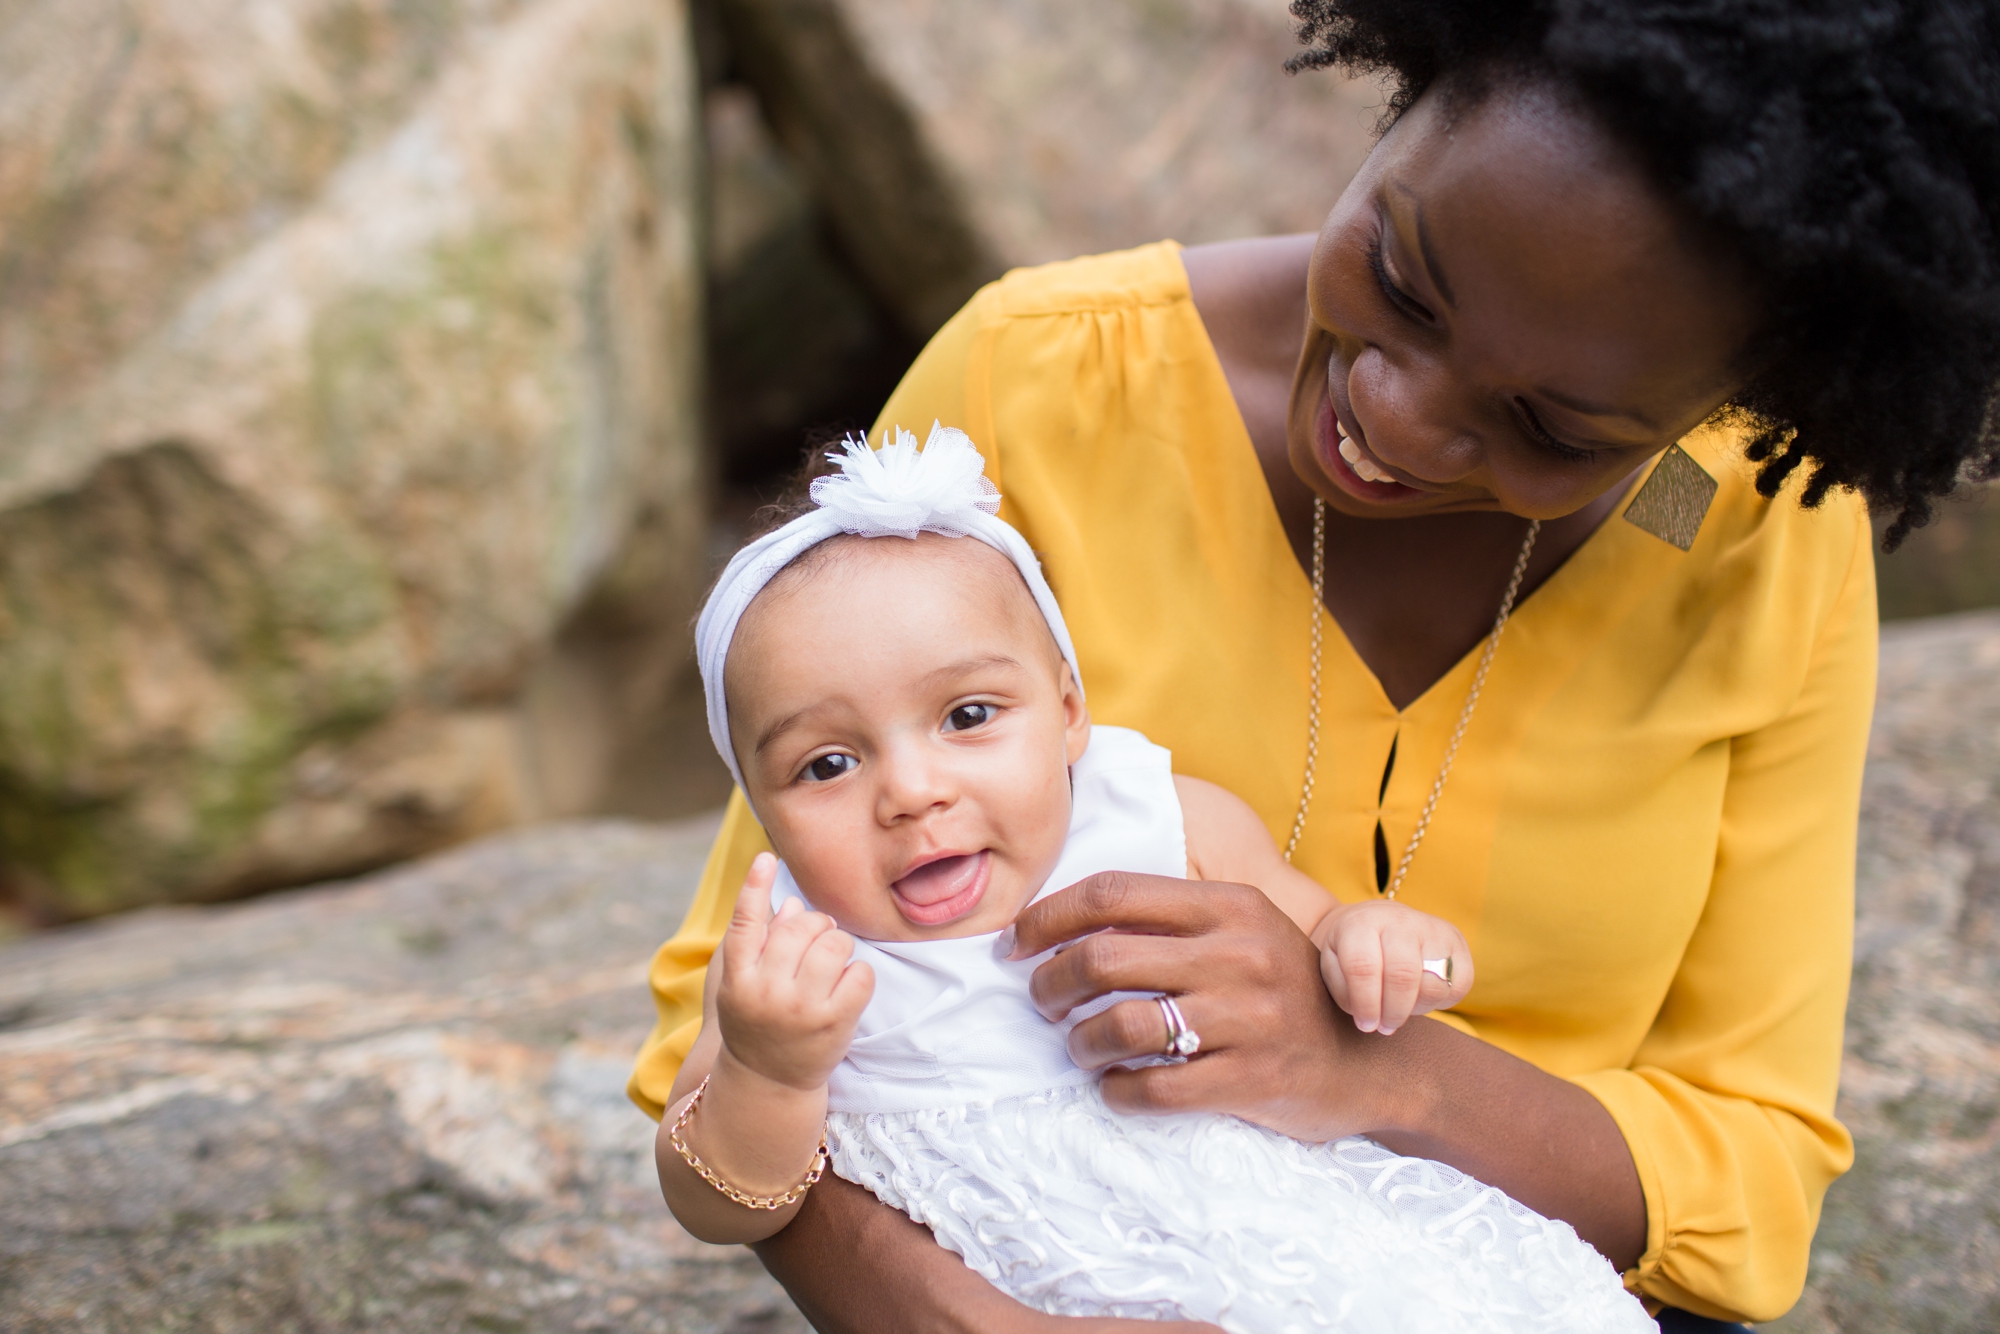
(1424, 251)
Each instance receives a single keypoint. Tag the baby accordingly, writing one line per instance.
(908, 722)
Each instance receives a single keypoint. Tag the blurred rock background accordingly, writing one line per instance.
(380, 380)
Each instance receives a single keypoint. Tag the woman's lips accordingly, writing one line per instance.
(1349, 464)
(943, 889)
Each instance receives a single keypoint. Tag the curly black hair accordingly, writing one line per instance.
(1848, 151)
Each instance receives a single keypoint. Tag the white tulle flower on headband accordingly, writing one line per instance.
(895, 491)
(902, 491)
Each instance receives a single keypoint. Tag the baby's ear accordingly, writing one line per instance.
(1076, 718)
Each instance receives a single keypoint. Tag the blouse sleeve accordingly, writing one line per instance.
(1728, 1106)
(933, 389)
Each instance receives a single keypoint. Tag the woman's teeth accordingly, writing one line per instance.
(1363, 468)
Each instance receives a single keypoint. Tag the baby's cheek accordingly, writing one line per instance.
(838, 877)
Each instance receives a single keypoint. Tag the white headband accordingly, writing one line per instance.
(892, 492)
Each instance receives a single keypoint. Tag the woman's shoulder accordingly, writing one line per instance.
(1148, 275)
(1779, 538)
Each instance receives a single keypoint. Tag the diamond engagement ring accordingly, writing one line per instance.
(1182, 1041)
(1439, 968)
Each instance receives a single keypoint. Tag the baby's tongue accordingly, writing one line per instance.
(934, 882)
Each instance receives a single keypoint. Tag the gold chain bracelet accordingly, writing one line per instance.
(703, 1170)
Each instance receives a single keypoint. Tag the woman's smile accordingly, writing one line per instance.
(1349, 463)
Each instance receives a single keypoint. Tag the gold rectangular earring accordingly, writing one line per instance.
(1674, 500)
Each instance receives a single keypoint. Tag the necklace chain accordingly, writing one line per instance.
(1464, 717)
(1312, 689)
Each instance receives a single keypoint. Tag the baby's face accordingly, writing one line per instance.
(905, 726)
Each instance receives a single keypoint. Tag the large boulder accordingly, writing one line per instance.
(351, 496)
(947, 141)
(391, 1107)
(397, 1104)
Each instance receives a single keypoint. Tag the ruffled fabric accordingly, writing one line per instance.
(1076, 1210)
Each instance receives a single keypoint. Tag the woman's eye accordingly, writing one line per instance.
(968, 716)
(1540, 435)
(829, 767)
(1391, 293)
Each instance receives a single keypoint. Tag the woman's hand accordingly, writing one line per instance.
(1275, 1051)
(1273, 1048)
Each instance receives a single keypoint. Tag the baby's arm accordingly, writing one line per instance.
(1371, 954)
(777, 1015)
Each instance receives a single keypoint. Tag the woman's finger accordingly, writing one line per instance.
(1118, 900)
(750, 923)
(1125, 1032)
(1113, 961)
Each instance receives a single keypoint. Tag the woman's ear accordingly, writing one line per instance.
(1076, 718)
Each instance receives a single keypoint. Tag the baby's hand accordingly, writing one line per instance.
(1372, 956)
(789, 997)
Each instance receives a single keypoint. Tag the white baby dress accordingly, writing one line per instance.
(959, 1105)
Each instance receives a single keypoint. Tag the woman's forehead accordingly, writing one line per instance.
(1560, 254)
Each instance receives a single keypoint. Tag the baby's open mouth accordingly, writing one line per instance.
(943, 890)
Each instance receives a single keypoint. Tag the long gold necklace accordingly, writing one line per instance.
(1464, 716)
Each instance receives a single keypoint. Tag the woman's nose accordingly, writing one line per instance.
(1413, 416)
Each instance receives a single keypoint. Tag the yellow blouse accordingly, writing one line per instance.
(1649, 834)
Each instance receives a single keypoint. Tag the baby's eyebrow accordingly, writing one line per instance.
(965, 666)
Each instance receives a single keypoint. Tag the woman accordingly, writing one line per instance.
(1630, 299)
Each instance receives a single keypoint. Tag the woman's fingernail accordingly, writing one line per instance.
(1365, 1025)
(1003, 948)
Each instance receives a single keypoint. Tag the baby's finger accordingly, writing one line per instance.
(1361, 963)
(1336, 979)
(1403, 976)
(793, 932)
(853, 990)
(750, 923)
(1447, 972)
(821, 963)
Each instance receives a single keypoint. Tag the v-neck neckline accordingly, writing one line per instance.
(1558, 579)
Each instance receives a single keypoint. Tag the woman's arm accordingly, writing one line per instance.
(1274, 1050)
(856, 1266)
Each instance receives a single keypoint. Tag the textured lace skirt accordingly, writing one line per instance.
(1076, 1210)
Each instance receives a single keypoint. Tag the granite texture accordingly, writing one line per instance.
(391, 1105)
(352, 499)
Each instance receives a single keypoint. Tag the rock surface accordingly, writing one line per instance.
(1911, 1237)
(948, 141)
(398, 1104)
(351, 491)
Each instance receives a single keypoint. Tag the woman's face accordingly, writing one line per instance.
(1504, 316)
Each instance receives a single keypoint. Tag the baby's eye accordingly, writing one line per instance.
(968, 716)
(829, 767)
